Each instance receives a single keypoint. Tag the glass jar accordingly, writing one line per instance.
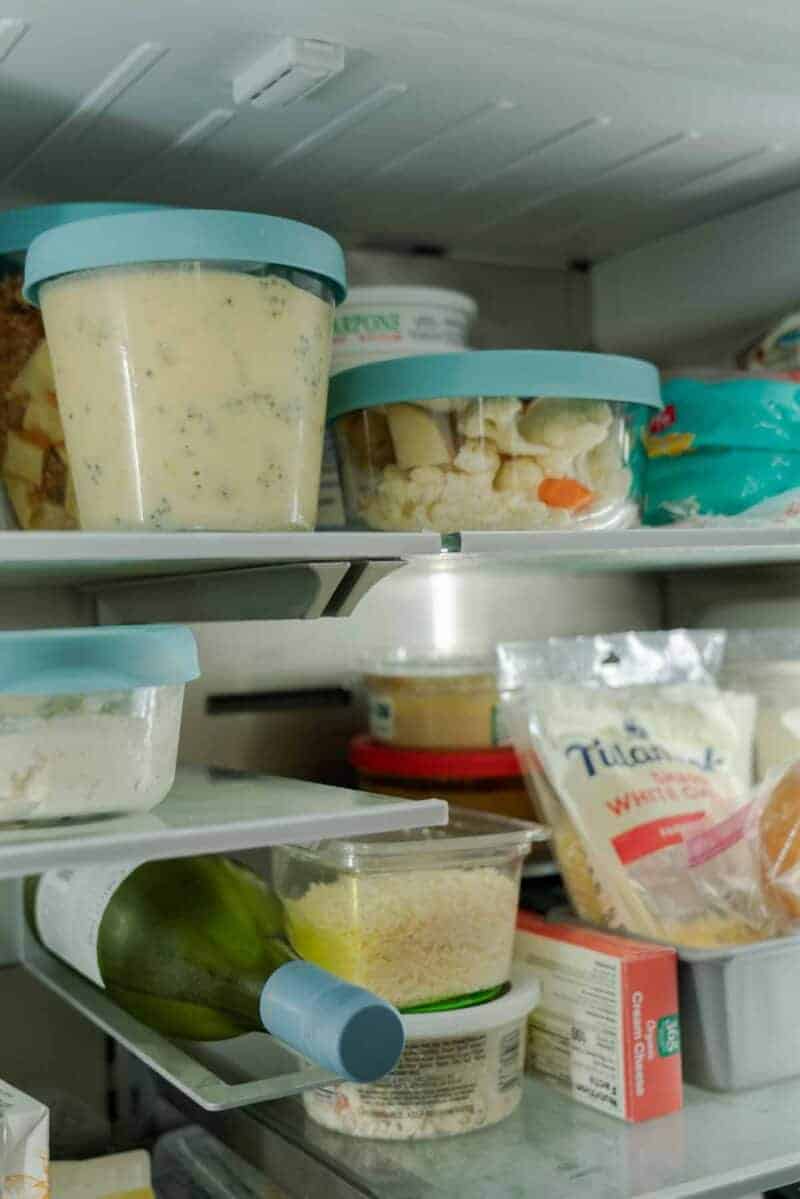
(33, 459)
(495, 439)
(191, 352)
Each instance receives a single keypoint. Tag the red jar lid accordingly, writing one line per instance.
(388, 761)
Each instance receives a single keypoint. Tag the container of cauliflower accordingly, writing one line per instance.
(496, 439)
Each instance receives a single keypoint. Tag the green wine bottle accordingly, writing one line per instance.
(194, 948)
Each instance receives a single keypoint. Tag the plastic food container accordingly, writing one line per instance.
(422, 917)
(390, 322)
(738, 1009)
(431, 702)
(725, 444)
(486, 779)
(460, 1071)
(499, 439)
(191, 353)
(33, 460)
(89, 719)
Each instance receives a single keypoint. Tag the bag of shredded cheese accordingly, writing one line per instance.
(643, 768)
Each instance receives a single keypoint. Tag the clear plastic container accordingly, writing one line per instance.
(33, 458)
(497, 439)
(460, 1071)
(90, 719)
(434, 703)
(419, 918)
(191, 352)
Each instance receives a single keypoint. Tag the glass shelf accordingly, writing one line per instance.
(214, 811)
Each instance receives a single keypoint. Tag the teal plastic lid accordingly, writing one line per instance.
(525, 373)
(65, 661)
(20, 226)
(184, 235)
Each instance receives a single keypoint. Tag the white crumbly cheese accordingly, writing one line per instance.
(439, 1088)
(82, 755)
(412, 937)
(504, 450)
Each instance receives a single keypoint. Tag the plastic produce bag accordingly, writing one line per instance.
(645, 779)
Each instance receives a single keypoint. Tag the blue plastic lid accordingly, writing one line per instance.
(185, 235)
(523, 373)
(342, 1028)
(67, 661)
(20, 226)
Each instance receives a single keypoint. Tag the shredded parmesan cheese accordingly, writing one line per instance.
(412, 937)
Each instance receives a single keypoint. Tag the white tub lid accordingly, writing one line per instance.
(516, 1004)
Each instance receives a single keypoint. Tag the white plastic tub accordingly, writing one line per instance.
(390, 322)
(90, 719)
(191, 353)
(460, 1071)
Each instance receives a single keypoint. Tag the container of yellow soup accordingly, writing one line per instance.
(191, 353)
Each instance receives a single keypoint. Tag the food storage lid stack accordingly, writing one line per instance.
(19, 227)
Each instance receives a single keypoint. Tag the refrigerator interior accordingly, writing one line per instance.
(621, 180)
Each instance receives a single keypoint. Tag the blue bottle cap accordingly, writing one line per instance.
(342, 1028)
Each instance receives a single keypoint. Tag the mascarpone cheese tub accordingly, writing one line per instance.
(191, 353)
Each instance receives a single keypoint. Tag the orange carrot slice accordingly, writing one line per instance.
(564, 493)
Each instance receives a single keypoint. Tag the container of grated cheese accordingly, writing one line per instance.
(422, 918)
(460, 1071)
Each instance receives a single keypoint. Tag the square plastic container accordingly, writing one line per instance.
(738, 1009)
(522, 439)
(420, 918)
(191, 352)
(90, 719)
(460, 1071)
(33, 458)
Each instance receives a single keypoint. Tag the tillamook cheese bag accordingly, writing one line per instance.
(647, 769)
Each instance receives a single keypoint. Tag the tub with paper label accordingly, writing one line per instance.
(460, 1070)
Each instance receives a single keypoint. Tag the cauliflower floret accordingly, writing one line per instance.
(483, 418)
(425, 484)
(478, 457)
(520, 474)
(604, 470)
(572, 426)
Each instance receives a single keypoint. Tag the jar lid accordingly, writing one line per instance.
(438, 765)
(495, 373)
(185, 235)
(20, 226)
(116, 658)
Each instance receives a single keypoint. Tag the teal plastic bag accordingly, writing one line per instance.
(722, 444)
